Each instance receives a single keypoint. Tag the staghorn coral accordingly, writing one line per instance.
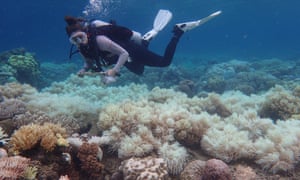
(144, 168)
(25, 138)
(13, 167)
(90, 164)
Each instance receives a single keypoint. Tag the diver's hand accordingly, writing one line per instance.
(110, 76)
(111, 72)
(81, 72)
(108, 79)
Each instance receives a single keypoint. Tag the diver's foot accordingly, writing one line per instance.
(186, 26)
(177, 31)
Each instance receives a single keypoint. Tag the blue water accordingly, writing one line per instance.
(247, 29)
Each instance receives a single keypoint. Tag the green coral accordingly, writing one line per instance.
(27, 68)
(24, 63)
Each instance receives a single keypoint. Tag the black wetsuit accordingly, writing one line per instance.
(140, 56)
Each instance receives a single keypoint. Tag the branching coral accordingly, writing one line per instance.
(48, 135)
(87, 155)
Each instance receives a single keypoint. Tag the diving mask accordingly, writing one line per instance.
(78, 38)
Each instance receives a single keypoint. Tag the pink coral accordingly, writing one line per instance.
(13, 167)
(216, 170)
(193, 170)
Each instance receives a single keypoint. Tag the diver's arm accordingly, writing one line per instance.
(88, 64)
(105, 44)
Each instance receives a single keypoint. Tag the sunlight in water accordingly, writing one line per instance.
(99, 7)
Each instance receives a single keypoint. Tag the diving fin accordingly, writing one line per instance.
(162, 18)
(186, 26)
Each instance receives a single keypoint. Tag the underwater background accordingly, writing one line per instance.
(247, 29)
(227, 108)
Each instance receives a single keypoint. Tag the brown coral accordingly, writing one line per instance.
(16, 90)
(28, 136)
(13, 167)
(244, 173)
(216, 170)
(11, 107)
(188, 87)
(87, 154)
(193, 170)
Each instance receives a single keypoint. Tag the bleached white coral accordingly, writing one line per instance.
(279, 150)
(227, 143)
(138, 144)
(175, 155)
(144, 168)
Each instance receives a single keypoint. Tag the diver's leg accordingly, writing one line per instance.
(149, 58)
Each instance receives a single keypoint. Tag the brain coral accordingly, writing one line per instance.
(144, 168)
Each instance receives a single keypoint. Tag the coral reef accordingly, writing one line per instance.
(47, 135)
(144, 168)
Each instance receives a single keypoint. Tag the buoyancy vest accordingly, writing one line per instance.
(118, 34)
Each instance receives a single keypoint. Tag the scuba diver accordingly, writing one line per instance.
(103, 44)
